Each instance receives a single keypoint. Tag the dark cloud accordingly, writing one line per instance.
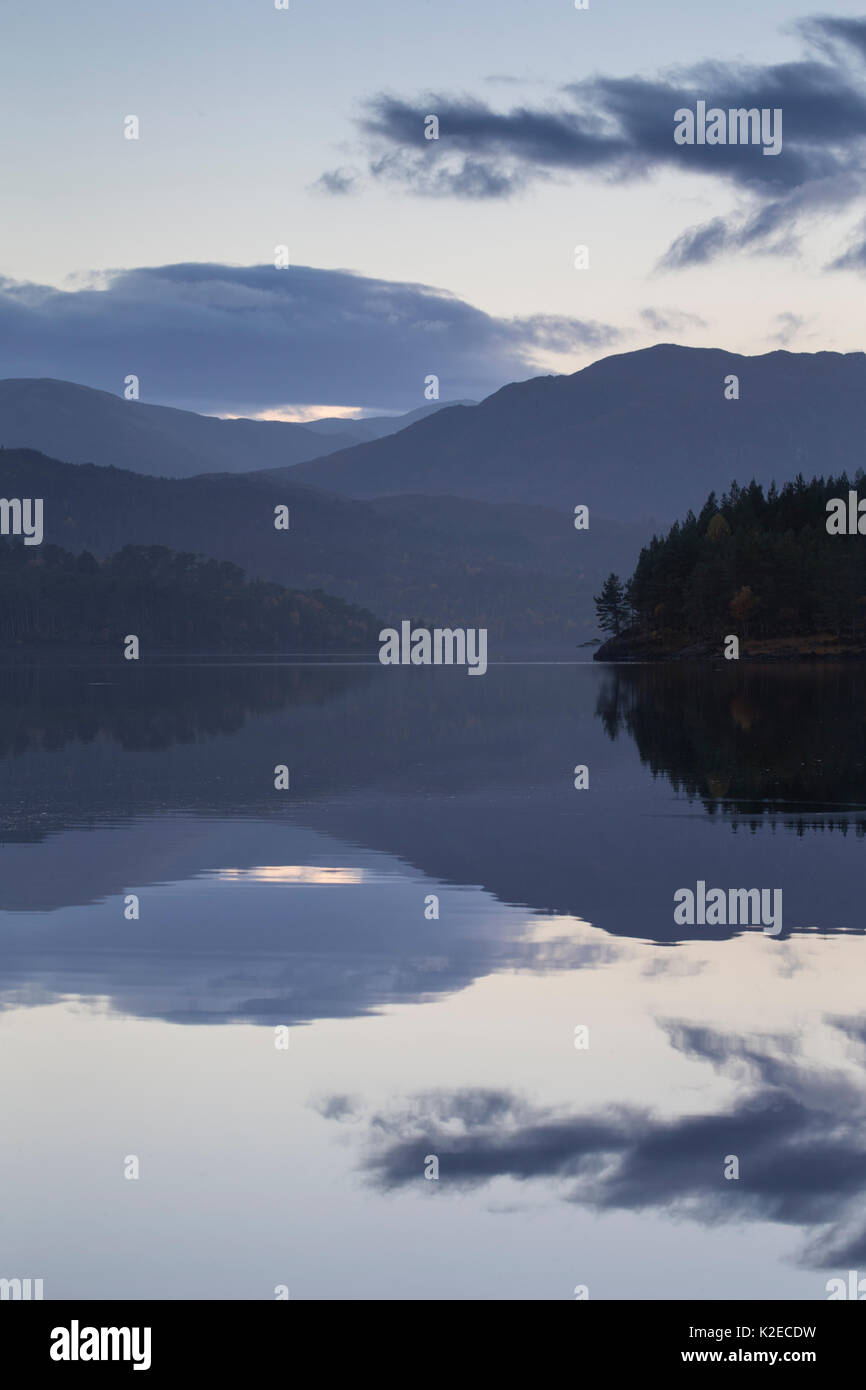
(797, 1132)
(471, 178)
(481, 152)
(836, 33)
(855, 256)
(243, 339)
(622, 128)
(697, 245)
(854, 1029)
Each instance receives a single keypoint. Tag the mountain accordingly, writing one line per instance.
(376, 426)
(82, 425)
(639, 434)
(520, 571)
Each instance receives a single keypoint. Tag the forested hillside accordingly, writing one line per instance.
(168, 600)
(522, 572)
(760, 565)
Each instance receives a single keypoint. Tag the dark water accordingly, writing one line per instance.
(704, 1049)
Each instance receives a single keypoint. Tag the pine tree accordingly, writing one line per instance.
(610, 606)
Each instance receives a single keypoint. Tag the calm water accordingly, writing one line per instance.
(412, 1037)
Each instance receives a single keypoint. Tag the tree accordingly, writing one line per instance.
(611, 607)
(743, 606)
(718, 529)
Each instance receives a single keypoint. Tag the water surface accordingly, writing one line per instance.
(414, 1037)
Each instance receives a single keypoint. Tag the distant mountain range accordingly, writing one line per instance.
(638, 435)
(376, 426)
(82, 425)
(523, 572)
(462, 516)
(641, 434)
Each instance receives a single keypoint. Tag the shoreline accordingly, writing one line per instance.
(634, 649)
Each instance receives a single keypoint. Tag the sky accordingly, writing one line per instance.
(409, 258)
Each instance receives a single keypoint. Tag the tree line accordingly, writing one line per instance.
(169, 599)
(763, 564)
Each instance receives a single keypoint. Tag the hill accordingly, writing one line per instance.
(49, 597)
(376, 426)
(520, 571)
(82, 425)
(636, 435)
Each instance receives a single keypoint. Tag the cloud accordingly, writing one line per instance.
(337, 181)
(336, 1107)
(698, 245)
(480, 152)
(797, 1131)
(855, 256)
(832, 33)
(621, 128)
(671, 320)
(238, 340)
(788, 326)
(855, 1030)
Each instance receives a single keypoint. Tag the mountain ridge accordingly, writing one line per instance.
(518, 570)
(633, 435)
(85, 424)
